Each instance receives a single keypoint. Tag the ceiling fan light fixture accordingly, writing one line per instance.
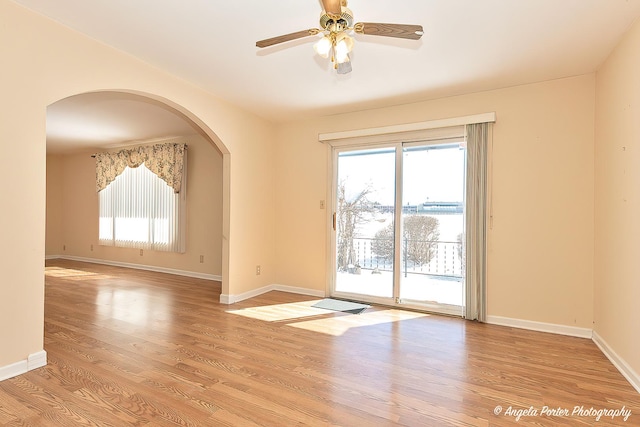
(343, 48)
(336, 21)
(344, 44)
(344, 68)
(342, 58)
(323, 46)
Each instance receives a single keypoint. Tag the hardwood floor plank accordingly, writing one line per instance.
(131, 347)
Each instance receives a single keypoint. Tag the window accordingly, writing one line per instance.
(140, 210)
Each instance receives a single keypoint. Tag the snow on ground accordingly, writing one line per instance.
(419, 287)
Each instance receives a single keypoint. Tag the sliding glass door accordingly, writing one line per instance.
(399, 225)
(365, 199)
(432, 226)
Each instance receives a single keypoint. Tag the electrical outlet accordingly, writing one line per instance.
(91, 248)
(257, 270)
(64, 247)
(201, 259)
(141, 252)
(321, 204)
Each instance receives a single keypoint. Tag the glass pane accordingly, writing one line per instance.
(432, 224)
(364, 222)
(138, 209)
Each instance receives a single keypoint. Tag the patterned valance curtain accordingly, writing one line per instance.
(164, 160)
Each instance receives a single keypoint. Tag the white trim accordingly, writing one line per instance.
(185, 273)
(37, 360)
(405, 304)
(33, 361)
(446, 309)
(409, 127)
(622, 366)
(300, 291)
(13, 370)
(553, 328)
(331, 210)
(225, 299)
(232, 299)
(619, 363)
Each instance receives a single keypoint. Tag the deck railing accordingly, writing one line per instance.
(446, 260)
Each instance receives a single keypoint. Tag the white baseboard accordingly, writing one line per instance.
(33, 361)
(619, 363)
(231, 299)
(553, 328)
(622, 366)
(185, 273)
(300, 291)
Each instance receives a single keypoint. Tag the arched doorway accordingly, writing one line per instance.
(107, 120)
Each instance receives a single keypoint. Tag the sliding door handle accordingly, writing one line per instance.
(334, 221)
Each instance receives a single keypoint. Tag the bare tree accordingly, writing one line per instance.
(382, 244)
(420, 234)
(351, 212)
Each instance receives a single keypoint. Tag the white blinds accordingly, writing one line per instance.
(139, 210)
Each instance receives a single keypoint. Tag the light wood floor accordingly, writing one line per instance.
(128, 347)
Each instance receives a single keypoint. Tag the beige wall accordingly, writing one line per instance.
(79, 204)
(541, 244)
(53, 240)
(45, 62)
(617, 200)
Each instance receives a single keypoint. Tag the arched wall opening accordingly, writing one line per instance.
(52, 62)
(67, 157)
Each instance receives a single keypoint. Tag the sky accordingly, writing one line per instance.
(428, 174)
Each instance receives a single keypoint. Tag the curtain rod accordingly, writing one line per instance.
(185, 147)
(408, 127)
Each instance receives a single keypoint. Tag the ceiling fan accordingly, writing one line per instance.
(336, 22)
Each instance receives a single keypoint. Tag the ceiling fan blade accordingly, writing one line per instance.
(332, 6)
(287, 37)
(402, 31)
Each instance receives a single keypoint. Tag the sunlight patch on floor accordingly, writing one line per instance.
(338, 325)
(294, 314)
(281, 312)
(137, 306)
(70, 273)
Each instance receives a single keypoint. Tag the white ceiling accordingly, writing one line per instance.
(105, 120)
(468, 46)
